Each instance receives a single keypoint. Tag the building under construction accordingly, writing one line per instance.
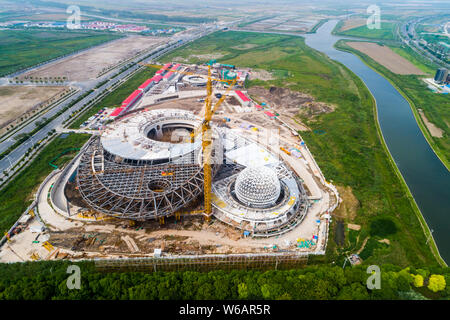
(146, 166)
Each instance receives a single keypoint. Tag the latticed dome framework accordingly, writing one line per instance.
(257, 187)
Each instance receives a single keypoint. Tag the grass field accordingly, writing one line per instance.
(386, 32)
(20, 49)
(17, 195)
(350, 153)
(114, 99)
(436, 107)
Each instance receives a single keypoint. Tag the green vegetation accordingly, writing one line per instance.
(47, 280)
(115, 98)
(386, 32)
(436, 107)
(21, 49)
(241, 25)
(318, 25)
(17, 195)
(351, 152)
(141, 15)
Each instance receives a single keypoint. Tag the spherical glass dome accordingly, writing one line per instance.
(257, 187)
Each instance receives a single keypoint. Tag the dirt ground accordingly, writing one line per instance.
(290, 103)
(261, 74)
(434, 131)
(349, 206)
(386, 57)
(352, 23)
(190, 104)
(88, 64)
(17, 100)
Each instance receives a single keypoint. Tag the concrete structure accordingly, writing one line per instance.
(441, 75)
(141, 167)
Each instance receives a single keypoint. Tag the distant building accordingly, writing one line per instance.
(441, 75)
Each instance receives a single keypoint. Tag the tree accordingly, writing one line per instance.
(436, 283)
(242, 291)
(418, 281)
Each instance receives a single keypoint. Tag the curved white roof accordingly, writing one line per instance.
(128, 139)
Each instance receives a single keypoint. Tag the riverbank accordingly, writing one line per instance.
(442, 151)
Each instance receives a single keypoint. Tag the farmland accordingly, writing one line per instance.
(350, 152)
(386, 57)
(17, 100)
(386, 31)
(21, 49)
(91, 63)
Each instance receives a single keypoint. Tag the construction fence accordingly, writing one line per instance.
(205, 263)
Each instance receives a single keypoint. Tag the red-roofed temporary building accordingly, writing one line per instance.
(258, 107)
(164, 68)
(146, 85)
(175, 67)
(132, 99)
(157, 78)
(116, 112)
(168, 76)
(242, 98)
(270, 114)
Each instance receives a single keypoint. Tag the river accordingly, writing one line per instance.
(426, 176)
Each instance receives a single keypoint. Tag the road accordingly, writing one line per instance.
(14, 156)
(409, 27)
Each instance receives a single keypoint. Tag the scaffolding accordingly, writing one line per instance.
(138, 192)
(274, 261)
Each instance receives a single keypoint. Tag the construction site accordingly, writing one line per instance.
(190, 170)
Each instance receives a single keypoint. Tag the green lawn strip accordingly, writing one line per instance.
(21, 49)
(115, 98)
(18, 194)
(351, 152)
(435, 106)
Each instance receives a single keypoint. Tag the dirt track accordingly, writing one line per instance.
(386, 57)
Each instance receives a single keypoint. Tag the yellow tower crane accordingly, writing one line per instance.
(205, 128)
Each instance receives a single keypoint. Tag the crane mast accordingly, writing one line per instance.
(205, 128)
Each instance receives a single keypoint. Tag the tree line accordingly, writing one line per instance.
(48, 280)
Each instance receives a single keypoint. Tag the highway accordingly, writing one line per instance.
(413, 43)
(14, 156)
